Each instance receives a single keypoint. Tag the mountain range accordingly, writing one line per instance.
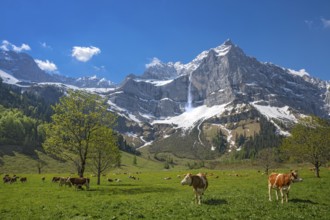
(182, 108)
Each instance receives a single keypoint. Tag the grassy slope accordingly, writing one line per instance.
(231, 196)
(22, 163)
(240, 192)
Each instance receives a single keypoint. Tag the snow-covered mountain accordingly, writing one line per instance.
(223, 87)
(25, 70)
(180, 108)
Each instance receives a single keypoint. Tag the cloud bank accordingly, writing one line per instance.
(84, 54)
(46, 65)
(6, 45)
(325, 22)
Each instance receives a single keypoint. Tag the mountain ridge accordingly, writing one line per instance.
(221, 89)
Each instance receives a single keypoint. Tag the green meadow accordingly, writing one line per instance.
(232, 194)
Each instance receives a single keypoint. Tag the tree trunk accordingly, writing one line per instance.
(99, 170)
(317, 169)
(81, 169)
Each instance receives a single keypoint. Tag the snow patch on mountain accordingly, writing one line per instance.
(188, 120)
(7, 78)
(300, 73)
(281, 113)
(155, 82)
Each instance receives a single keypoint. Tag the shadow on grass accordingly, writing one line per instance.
(216, 202)
(303, 201)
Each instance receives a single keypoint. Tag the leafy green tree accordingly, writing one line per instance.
(267, 158)
(134, 160)
(105, 152)
(17, 128)
(78, 119)
(40, 164)
(309, 141)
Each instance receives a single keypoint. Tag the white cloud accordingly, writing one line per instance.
(154, 62)
(46, 65)
(84, 54)
(325, 22)
(6, 45)
(45, 45)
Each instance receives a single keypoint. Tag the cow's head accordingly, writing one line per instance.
(187, 180)
(295, 177)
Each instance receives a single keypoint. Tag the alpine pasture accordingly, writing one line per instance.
(155, 193)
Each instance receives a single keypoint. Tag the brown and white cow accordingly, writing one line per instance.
(282, 182)
(64, 181)
(198, 182)
(79, 182)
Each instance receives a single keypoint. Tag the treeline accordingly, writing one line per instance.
(18, 129)
(252, 145)
(24, 113)
(266, 138)
(28, 102)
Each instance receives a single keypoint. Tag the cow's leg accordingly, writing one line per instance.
(282, 195)
(276, 193)
(287, 195)
(199, 199)
(269, 192)
(196, 198)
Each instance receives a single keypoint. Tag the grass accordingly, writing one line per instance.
(236, 194)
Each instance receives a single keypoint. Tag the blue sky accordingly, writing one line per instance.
(112, 39)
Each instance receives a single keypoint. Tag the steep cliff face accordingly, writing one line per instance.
(221, 75)
(22, 66)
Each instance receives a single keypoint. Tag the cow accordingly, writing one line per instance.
(23, 179)
(198, 182)
(56, 179)
(282, 182)
(79, 182)
(13, 179)
(63, 181)
(6, 179)
(43, 179)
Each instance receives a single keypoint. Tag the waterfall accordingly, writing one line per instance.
(188, 106)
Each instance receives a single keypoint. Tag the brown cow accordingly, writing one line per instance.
(56, 179)
(6, 179)
(79, 182)
(23, 179)
(282, 182)
(198, 182)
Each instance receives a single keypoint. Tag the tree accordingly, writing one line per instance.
(40, 164)
(134, 160)
(309, 141)
(220, 142)
(76, 123)
(105, 152)
(267, 158)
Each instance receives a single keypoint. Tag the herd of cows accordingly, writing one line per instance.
(281, 182)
